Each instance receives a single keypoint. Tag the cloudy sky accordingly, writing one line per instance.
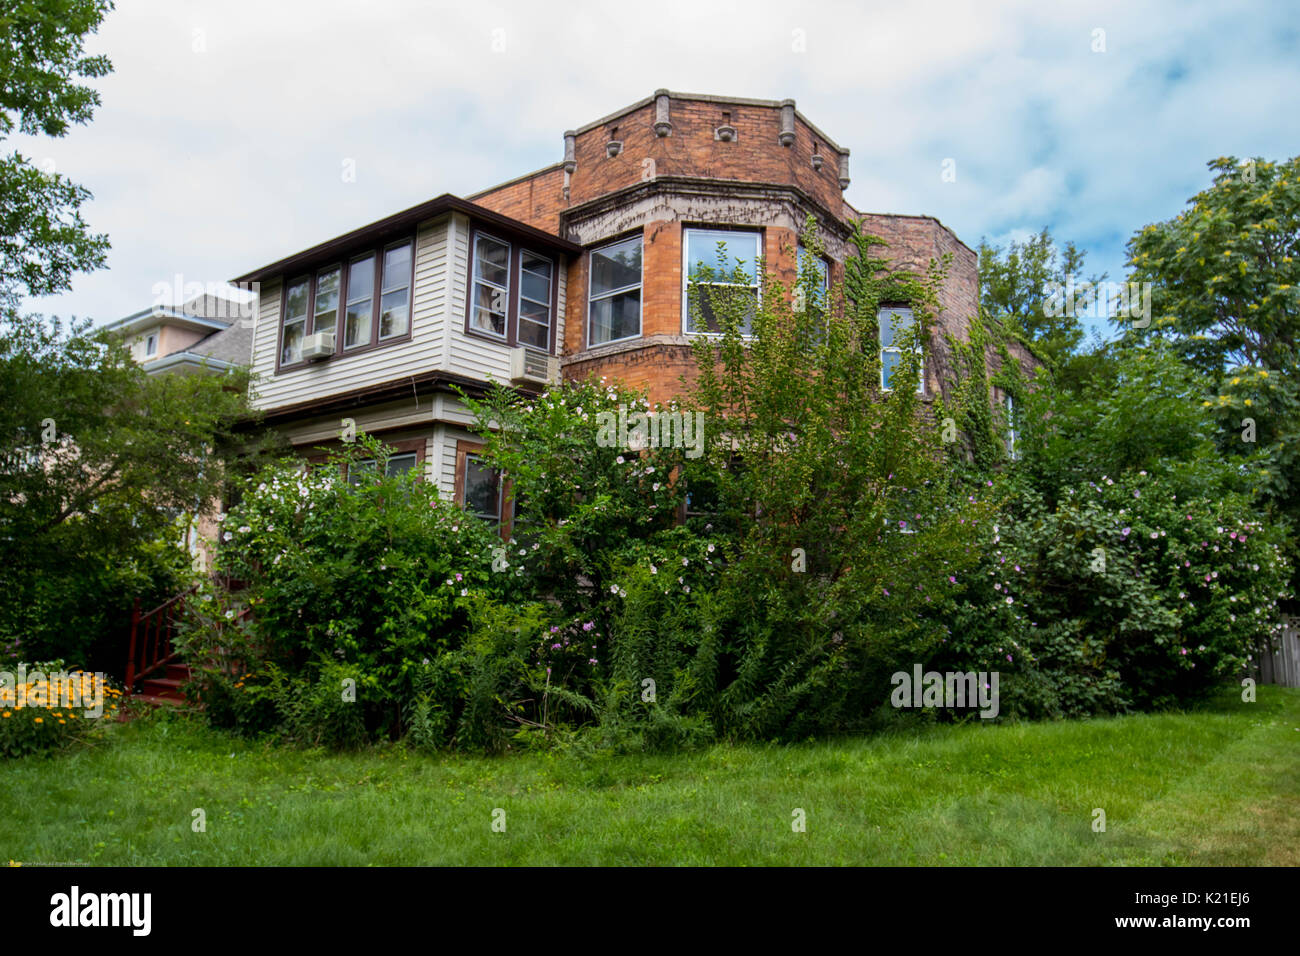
(226, 125)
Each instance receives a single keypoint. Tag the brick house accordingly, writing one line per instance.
(575, 270)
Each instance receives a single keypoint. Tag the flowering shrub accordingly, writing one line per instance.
(356, 581)
(37, 716)
(1132, 565)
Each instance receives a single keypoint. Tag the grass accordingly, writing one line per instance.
(1216, 786)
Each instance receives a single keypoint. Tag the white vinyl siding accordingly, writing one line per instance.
(426, 350)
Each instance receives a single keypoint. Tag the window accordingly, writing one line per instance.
(728, 256)
(822, 267)
(615, 292)
(395, 302)
(896, 329)
(491, 285)
(512, 294)
(482, 490)
(1012, 434)
(397, 465)
(295, 321)
(345, 299)
(535, 278)
(151, 344)
(361, 298)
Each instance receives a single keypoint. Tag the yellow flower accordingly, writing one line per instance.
(40, 720)
(14, 863)
(5, 714)
(1248, 401)
(63, 721)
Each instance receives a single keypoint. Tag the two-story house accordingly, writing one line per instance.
(575, 270)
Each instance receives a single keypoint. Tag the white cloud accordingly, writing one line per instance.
(212, 162)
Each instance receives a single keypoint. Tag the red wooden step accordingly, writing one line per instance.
(180, 672)
(162, 687)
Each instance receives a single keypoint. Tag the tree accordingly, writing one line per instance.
(1015, 286)
(98, 461)
(43, 238)
(1226, 295)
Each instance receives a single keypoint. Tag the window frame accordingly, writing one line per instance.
(550, 307)
(639, 236)
(919, 348)
(1013, 433)
(465, 450)
(517, 246)
(760, 237)
(344, 265)
(511, 270)
(151, 345)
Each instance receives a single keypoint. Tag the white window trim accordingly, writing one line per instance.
(550, 308)
(686, 273)
(151, 344)
(640, 325)
(919, 349)
(475, 280)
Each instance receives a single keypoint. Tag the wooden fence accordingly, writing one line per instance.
(1280, 664)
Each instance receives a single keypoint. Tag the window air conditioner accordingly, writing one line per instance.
(536, 368)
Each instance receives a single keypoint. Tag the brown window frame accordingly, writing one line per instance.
(344, 265)
(514, 290)
(505, 489)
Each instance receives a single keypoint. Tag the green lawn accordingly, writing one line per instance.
(1217, 786)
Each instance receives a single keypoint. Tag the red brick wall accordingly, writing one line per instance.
(756, 156)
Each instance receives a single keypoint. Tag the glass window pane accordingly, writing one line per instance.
(532, 262)
(531, 333)
(400, 464)
(616, 267)
(394, 314)
(357, 327)
(892, 323)
(534, 311)
(361, 279)
(740, 249)
(616, 317)
(489, 309)
(292, 351)
(397, 267)
(296, 300)
(491, 261)
(358, 468)
(535, 287)
(889, 362)
(708, 299)
(481, 489)
(327, 290)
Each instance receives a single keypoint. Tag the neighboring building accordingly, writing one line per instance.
(578, 269)
(205, 334)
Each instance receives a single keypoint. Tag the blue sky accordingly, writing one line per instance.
(225, 127)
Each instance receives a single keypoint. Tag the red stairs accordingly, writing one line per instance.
(166, 690)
